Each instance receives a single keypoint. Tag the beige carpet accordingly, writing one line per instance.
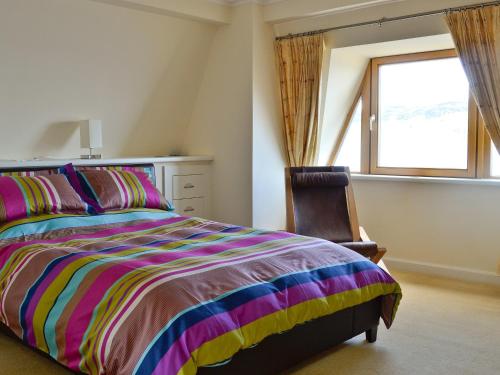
(443, 327)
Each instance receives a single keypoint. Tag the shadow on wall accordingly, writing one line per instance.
(162, 125)
(57, 137)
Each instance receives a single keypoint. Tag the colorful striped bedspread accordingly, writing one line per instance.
(150, 292)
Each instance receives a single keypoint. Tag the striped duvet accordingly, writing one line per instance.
(150, 292)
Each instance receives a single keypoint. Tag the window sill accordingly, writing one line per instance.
(435, 180)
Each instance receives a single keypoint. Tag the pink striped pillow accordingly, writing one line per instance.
(23, 196)
(114, 189)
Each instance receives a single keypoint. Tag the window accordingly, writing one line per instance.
(423, 123)
(414, 115)
(350, 149)
(413, 121)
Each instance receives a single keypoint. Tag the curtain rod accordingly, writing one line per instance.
(383, 20)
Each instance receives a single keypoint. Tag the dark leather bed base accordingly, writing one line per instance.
(280, 352)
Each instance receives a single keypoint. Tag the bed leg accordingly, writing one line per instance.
(371, 334)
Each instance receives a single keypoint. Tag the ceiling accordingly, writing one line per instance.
(296, 15)
(236, 2)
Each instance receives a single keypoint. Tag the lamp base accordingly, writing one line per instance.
(89, 157)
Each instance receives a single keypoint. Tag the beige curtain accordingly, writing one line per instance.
(299, 64)
(477, 40)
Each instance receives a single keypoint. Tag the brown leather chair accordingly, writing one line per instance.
(320, 203)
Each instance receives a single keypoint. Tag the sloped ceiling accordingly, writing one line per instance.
(219, 11)
(236, 2)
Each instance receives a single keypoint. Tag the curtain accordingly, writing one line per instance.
(299, 63)
(477, 40)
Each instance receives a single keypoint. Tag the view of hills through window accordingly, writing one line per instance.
(423, 114)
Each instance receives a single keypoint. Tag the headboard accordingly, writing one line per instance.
(149, 169)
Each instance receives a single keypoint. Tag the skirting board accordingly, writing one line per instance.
(458, 273)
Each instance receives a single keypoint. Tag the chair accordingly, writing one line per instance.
(320, 203)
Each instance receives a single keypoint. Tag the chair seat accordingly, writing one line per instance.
(366, 248)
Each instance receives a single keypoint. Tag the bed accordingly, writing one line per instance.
(146, 291)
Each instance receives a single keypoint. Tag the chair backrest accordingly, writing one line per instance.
(320, 203)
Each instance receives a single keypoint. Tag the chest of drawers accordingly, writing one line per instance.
(187, 186)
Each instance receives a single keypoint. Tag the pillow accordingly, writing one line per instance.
(25, 196)
(35, 172)
(83, 190)
(149, 169)
(114, 189)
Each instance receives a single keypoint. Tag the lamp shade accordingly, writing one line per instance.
(91, 134)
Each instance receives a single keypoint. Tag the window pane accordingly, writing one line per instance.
(350, 150)
(495, 161)
(423, 115)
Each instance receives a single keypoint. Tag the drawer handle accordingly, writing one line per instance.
(189, 209)
(189, 185)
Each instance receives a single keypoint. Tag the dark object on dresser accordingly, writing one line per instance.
(320, 203)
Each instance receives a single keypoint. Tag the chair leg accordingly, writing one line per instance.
(371, 334)
(380, 253)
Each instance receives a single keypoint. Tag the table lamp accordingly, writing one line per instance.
(91, 137)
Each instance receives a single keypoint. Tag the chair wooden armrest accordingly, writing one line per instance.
(381, 250)
(363, 234)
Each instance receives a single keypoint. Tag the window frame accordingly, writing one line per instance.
(363, 95)
(483, 157)
(484, 151)
(479, 142)
(470, 172)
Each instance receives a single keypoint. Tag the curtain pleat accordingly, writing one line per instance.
(299, 63)
(477, 40)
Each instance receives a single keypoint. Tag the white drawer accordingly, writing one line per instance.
(188, 186)
(190, 207)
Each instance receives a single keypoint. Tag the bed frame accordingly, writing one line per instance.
(277, 353)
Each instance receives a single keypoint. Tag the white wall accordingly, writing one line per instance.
(443, 224)
(63, 61)
(237, 119)
(313, 19)
(268, 156)
(221, 124)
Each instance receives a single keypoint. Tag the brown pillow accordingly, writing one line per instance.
(113, 189)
